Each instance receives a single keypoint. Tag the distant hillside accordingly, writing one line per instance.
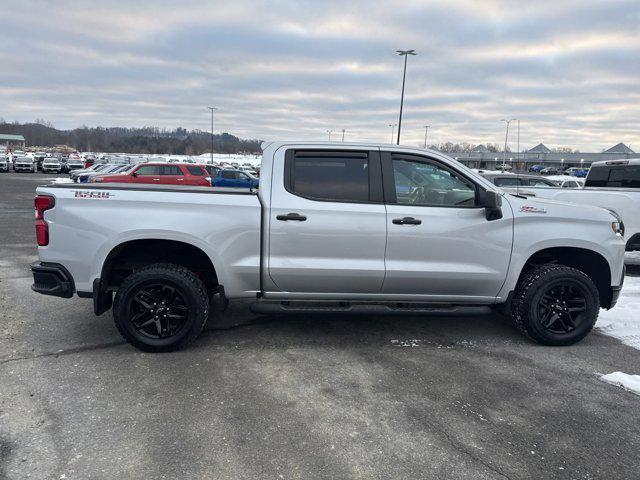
(131, 140)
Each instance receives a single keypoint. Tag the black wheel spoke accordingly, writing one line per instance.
(158, 311)
(562, 307)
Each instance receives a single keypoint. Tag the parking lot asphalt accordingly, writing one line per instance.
(296, 397)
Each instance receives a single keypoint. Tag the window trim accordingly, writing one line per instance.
(375, 172)
(389, 184)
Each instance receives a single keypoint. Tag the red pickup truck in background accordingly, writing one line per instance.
(162, 174)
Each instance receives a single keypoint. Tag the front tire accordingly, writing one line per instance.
(161, 308)
(555, 305)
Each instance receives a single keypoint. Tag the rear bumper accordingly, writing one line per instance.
(52, 279)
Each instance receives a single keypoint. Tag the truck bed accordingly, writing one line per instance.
(88, 221)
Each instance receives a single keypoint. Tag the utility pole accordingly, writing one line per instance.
(343, 135)
(393, 128)
(506, 137)
(426, 130)
(212, 110)
(405, 54)
(518, 156)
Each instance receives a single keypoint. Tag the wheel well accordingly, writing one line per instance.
(130, 256)
(593, 264)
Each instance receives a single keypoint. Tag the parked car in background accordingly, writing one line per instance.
(110, 169)
(40, 157)
(5, 163)
(52, 165)
(577, 172)
(504, 180)
(566, 181)
(160, 174)
(212, 170)
(550, 171)
(96, 167)
(25, 164)
(504, 167)
(234, 178)
(75, 163)
(536, 168)
(248, 169)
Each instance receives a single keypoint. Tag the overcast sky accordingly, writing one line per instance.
(570, 70)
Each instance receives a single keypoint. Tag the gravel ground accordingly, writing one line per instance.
(297, 396)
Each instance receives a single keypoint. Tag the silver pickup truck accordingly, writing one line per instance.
(334, 228)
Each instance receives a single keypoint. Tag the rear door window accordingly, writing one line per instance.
(507, 181)
(333, 176)
(196, 171)
(170, 170)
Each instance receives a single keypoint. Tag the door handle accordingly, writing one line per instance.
(292, 216)
(406, 221)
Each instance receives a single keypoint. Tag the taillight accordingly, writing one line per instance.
(42, 204)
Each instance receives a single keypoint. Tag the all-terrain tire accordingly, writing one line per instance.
(191, 291)
(525, 311)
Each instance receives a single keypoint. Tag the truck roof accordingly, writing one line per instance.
(622, 161)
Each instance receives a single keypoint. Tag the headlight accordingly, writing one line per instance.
(618, 228)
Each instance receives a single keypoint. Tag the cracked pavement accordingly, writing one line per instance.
(296, 396)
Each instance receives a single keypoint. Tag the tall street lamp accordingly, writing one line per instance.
(405, 54)
(212, 110)
(393, 128)
(426, 130)
(506, 136)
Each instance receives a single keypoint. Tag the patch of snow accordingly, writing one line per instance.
(624, 380)
(61, 180)
(632, 258)
(623, 320)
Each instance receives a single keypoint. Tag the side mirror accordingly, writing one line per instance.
(492, 203)
(134, 174)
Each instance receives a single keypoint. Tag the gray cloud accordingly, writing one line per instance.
(569, 69)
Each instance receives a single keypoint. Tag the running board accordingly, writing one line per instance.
(346, 308)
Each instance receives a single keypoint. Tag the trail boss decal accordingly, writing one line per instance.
(93, 194)
(530, 209)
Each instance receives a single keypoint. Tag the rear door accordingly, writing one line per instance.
(171, 175)
(327, 225)
(440, 243)
(147, 174)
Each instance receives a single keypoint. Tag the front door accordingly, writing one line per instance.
(440, 243)
(328, 225)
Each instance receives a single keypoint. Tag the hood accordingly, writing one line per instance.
(526, 207)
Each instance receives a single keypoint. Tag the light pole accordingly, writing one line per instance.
(426, 130)
(518, 154)
(403, 53)
(506, 136)
(343, 135)
(212, 110)
(329, 132)
(393, 128)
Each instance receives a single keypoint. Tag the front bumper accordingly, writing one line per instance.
(52, 279)
(615, 291)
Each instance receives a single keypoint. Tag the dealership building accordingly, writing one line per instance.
(481, 157)
(11, 141)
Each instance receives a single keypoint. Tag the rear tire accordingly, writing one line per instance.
(161, 308)
(555, 305)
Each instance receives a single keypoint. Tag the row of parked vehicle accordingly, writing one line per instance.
(164, 173)
(579, 172)
(19, 161)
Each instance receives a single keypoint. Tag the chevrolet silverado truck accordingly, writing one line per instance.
(334, 228)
